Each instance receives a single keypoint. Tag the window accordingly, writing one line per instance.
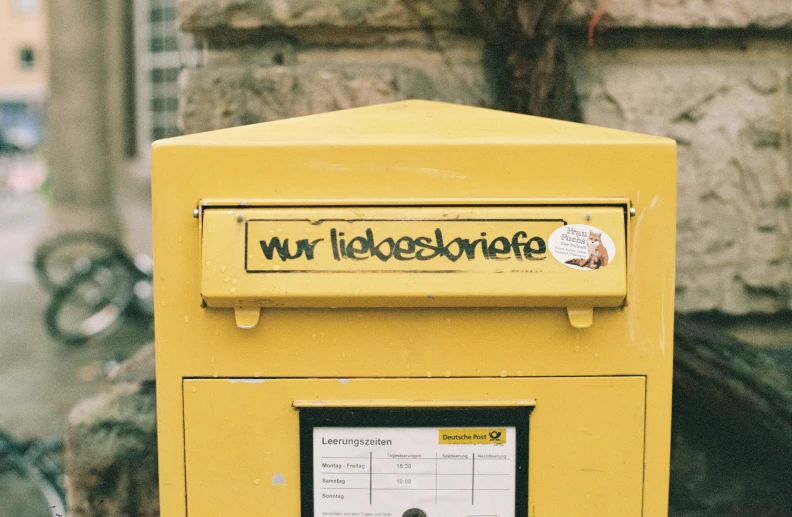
(26, 6)
(162, 14)
(27, 58)
(161, 44)
(161, 52)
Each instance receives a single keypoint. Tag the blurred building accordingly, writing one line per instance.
(114, 70)
(158, 64)
(23, 73)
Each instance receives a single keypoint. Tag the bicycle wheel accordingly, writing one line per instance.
(144, 286)
(92, 303)
(31, 482)
(58, 259)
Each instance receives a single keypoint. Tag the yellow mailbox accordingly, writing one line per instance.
(414, 310)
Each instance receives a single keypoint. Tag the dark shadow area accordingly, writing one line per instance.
(731, 452)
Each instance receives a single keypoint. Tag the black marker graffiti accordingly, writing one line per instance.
(421, 248)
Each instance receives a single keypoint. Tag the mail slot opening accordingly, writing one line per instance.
(573, 257)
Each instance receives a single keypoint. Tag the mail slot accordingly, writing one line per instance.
(414, 310)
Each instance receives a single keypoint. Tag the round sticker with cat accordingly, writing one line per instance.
(581, 246)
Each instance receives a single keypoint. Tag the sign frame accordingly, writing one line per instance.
(400, 417)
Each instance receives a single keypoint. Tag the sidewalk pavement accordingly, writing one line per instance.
(40, 379)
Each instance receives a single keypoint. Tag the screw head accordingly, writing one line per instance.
(196, 213)
(632, 211)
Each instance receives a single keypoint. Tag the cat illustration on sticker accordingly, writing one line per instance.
(581, 246)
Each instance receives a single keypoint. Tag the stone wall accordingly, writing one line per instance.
(722, 93)
(729, 110)
(111, 446)
(246, 84)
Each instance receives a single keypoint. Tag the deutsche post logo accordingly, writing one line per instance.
(473, 436)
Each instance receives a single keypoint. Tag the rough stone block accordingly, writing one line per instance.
(111, 447)
(687, 13)
(729, 112)
(234, 90)
(199, 15)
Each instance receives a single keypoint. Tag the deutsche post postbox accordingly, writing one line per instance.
(414, 310)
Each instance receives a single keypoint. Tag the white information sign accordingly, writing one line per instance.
(414, 472)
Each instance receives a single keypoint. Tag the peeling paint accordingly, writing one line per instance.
(278, 479)
(247, 381)
(343, 381)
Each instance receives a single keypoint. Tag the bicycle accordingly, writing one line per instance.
(96, 285)
(31, 481)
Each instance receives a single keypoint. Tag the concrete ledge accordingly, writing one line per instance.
(200, 15)
(204, 15)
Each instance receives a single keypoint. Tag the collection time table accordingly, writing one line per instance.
(395, 469)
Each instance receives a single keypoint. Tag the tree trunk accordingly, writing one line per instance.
(528, 56)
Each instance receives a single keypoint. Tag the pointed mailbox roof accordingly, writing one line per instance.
(414, 122)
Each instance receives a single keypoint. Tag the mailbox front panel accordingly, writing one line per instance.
(584, 450)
